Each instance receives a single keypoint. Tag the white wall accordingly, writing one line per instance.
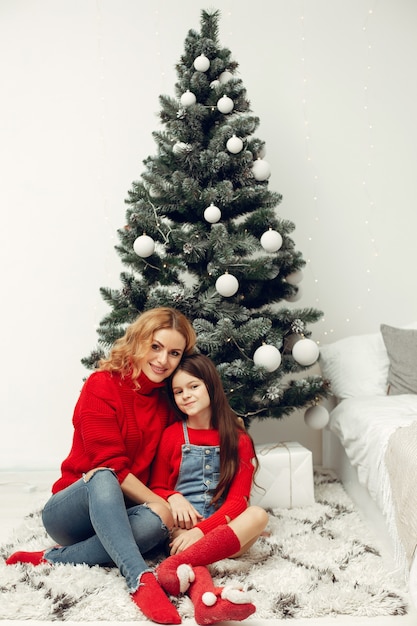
(334, 85)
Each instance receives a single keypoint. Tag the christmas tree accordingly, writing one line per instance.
(202, 235)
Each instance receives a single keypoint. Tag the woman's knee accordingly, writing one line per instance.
(163, 511)
(88, 475)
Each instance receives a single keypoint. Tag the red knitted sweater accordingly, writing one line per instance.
(166, 466)
(115, 426)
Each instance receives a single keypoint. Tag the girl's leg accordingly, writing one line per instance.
(248, 526)
(216, 604)
(225, 541)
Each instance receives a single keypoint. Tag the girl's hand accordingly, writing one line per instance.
(184, 514)
(185, 539)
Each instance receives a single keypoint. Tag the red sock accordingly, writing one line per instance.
(210, 606)
(36, 558)
(219, 543)
(153, 602)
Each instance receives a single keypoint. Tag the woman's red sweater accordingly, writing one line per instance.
(116, 426)
(166, 467)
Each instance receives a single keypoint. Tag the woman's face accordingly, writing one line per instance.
(164, 355)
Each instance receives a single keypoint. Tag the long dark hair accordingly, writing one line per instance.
(223, 418)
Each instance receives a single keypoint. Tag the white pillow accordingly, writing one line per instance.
(356, 366)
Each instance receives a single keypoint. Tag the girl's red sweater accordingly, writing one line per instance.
(116, 426)
(166, 466)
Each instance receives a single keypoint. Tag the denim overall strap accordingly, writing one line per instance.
(199, 474)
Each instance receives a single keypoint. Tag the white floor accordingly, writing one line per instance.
(22, 492)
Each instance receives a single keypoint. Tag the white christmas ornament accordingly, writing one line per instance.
(234, 144)
(225, 104)
(154, 193)
(212, 214)
(306, 352)
(261, 170)
(316, 417)
(188, 98)
(271, 240)
(295, 277)
(201, 63)
(144, 246)
(227, 285)
(180, 146)
(267, 356)
(214, 84)
(225, 77)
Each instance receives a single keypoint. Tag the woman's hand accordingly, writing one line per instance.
(184, 539)
(184, 514)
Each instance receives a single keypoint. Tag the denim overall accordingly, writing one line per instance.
(199, 474)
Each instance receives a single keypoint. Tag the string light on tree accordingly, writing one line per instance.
(305, 352)
(271, 240)
(144, 246)
(212, 214)
(225, 104)
(202, 63)
(227, 285)
(267, 356)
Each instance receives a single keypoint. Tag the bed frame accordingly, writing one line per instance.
(334, 457)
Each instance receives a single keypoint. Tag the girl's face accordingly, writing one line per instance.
(164, 355)
(191, 395)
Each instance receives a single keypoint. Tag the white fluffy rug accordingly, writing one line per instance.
(320, 560)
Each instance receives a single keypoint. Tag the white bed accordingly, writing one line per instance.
(371, 438)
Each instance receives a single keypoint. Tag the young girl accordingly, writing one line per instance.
(101, 510)
(204, 468)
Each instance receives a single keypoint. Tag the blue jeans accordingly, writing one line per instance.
(90, 521)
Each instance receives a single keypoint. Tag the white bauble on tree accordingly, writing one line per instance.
(188, 98)
(295, 277)
(234, 144)
(227, 285)
(306, 352)
(316, 417)
(267, 356)
(179, 147)
(214, 84)
(225, 77)
(261, 170)
(144, 246)
(201, 63)
(271, 240)
(225, 104)
(212, 214)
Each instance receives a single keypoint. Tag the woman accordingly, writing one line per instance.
(101, 510)
(204, 468)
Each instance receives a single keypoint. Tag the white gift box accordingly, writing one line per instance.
(285, 476)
